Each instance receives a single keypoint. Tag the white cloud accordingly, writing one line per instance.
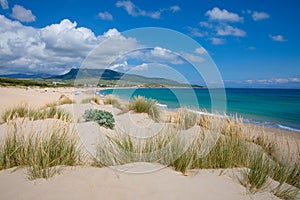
(120, 67)
(205, 24)
(4, 4)
(223, 15)
(277, 38)
(175, 8)
(195, 32)
(142, 67)
(192, 57)
(260, 16)
(135, 11)
(160, 54)
(229, 30)
(288, 82)
(200, 50)
(105, 16)
(22, 14)
(54, 48)
(217, 41)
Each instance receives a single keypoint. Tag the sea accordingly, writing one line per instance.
(276, 108)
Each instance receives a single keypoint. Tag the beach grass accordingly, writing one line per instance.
(116, 102)
(91, 99)
(24, 111)
(235, 148)
(42, 151)
(63, 99)
(143, 105)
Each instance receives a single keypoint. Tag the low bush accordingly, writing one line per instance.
(103, 118)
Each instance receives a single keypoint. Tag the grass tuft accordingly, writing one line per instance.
(24, 111)
(142, 105)
(42, 151)
(91, 99)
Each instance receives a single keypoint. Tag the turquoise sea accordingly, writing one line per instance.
(278, 108)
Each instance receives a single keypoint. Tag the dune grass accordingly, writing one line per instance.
(143, 105)
(43, 151)
(91, 99)
(63, 99)
(24, 111)
(235, 148)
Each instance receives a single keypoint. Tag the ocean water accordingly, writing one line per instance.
(278, 108)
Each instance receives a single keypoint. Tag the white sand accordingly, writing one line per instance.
(104, 183)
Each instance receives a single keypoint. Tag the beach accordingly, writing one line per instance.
(141, 180)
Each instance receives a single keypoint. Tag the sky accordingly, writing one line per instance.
(253, 43)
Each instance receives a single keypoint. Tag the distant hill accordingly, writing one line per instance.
(26, 76)
(100, 77)
(113, 77)
(106, 74)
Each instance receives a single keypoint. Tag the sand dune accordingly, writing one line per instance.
(105, 183)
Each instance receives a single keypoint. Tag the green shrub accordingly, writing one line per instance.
(103, 118)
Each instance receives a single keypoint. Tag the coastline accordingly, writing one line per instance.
(37, 97)
(255, 121)
(90, 182)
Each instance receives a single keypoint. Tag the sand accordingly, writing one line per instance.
(113, 183)
(105, 183)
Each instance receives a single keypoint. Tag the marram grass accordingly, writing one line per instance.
(42, 152)
(24, 111)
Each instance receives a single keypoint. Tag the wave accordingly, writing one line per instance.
(288, 128)
(205, 113)
(164, 106)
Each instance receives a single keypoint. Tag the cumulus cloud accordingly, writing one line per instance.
(260, 16)
(164, 55)
(54, 48)
(217, 14)
(217, 41)
(105, 16)
(22, 14)
(277, 38)
(4, 4)
(229, 30)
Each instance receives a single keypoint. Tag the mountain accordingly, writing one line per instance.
(109, 75)
(106, 74)
(25, 76)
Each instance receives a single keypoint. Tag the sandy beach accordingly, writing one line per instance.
(87, 182)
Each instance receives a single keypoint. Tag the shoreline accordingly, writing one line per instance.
(37, 97)
(265, 124)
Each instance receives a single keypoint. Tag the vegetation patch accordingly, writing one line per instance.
(143, 105)
(103, 118)
(43, 152)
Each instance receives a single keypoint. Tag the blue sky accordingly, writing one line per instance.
(254, 43)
